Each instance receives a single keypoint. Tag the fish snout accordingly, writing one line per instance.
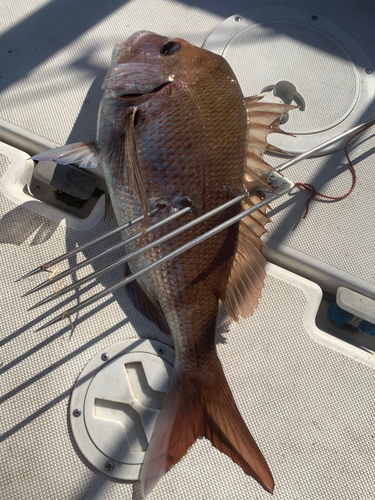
(135, 78)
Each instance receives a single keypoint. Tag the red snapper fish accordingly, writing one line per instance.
(174, 130)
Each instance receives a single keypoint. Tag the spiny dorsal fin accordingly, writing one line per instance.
(251, 99)
(255, 181)
(261, 132)
(256, 164)
(265, 117)
(259, 146)
(255, 107)
(254, 225)
(260, 215)
(248, 266)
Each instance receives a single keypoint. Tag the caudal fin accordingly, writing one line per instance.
(194, 409)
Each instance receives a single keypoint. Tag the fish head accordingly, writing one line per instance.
(146, 62)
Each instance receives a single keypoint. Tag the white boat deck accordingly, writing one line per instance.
(305, 389)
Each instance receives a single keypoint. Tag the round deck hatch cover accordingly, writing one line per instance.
(322, 67)
(116, 402)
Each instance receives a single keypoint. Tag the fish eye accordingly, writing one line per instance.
(170, 48)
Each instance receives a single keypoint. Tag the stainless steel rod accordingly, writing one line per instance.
(82, 247)
(194, 242)
(171, 255)
(289, 163)
(310, 152)
(100, 272)
(122, 243)
(150, 245)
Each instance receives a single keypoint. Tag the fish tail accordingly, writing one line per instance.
(194, 408)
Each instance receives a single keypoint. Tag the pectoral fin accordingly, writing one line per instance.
(132, 165)
(122, 158)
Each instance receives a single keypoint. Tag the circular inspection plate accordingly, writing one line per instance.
(327, 67)
(116, 402)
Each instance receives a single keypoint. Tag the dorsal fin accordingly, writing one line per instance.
(254, 106)
(260, 131)
(247, 273)
(258, 146)
(256, 164)
(255, 181)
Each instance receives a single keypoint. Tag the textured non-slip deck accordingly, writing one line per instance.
(310, 409)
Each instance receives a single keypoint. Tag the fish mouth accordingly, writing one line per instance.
(132, 78)
(125, 95)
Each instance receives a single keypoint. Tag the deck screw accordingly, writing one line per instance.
(109, 466)
(161, 350)
(77, 412)
(105, 356)
(368, 71)
(238, 19)
(314, 18)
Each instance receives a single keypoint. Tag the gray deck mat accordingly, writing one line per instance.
(310, 409)
(55, 57)
(339, 233)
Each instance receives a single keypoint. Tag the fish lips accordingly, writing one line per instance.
(134, 78)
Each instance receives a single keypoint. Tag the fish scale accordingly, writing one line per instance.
(162, 126)
(170, 127)
(175, 131)
(190, 141)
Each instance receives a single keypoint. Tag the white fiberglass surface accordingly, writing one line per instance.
(308, 407)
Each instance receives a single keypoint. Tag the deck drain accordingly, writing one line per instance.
(116, 402)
